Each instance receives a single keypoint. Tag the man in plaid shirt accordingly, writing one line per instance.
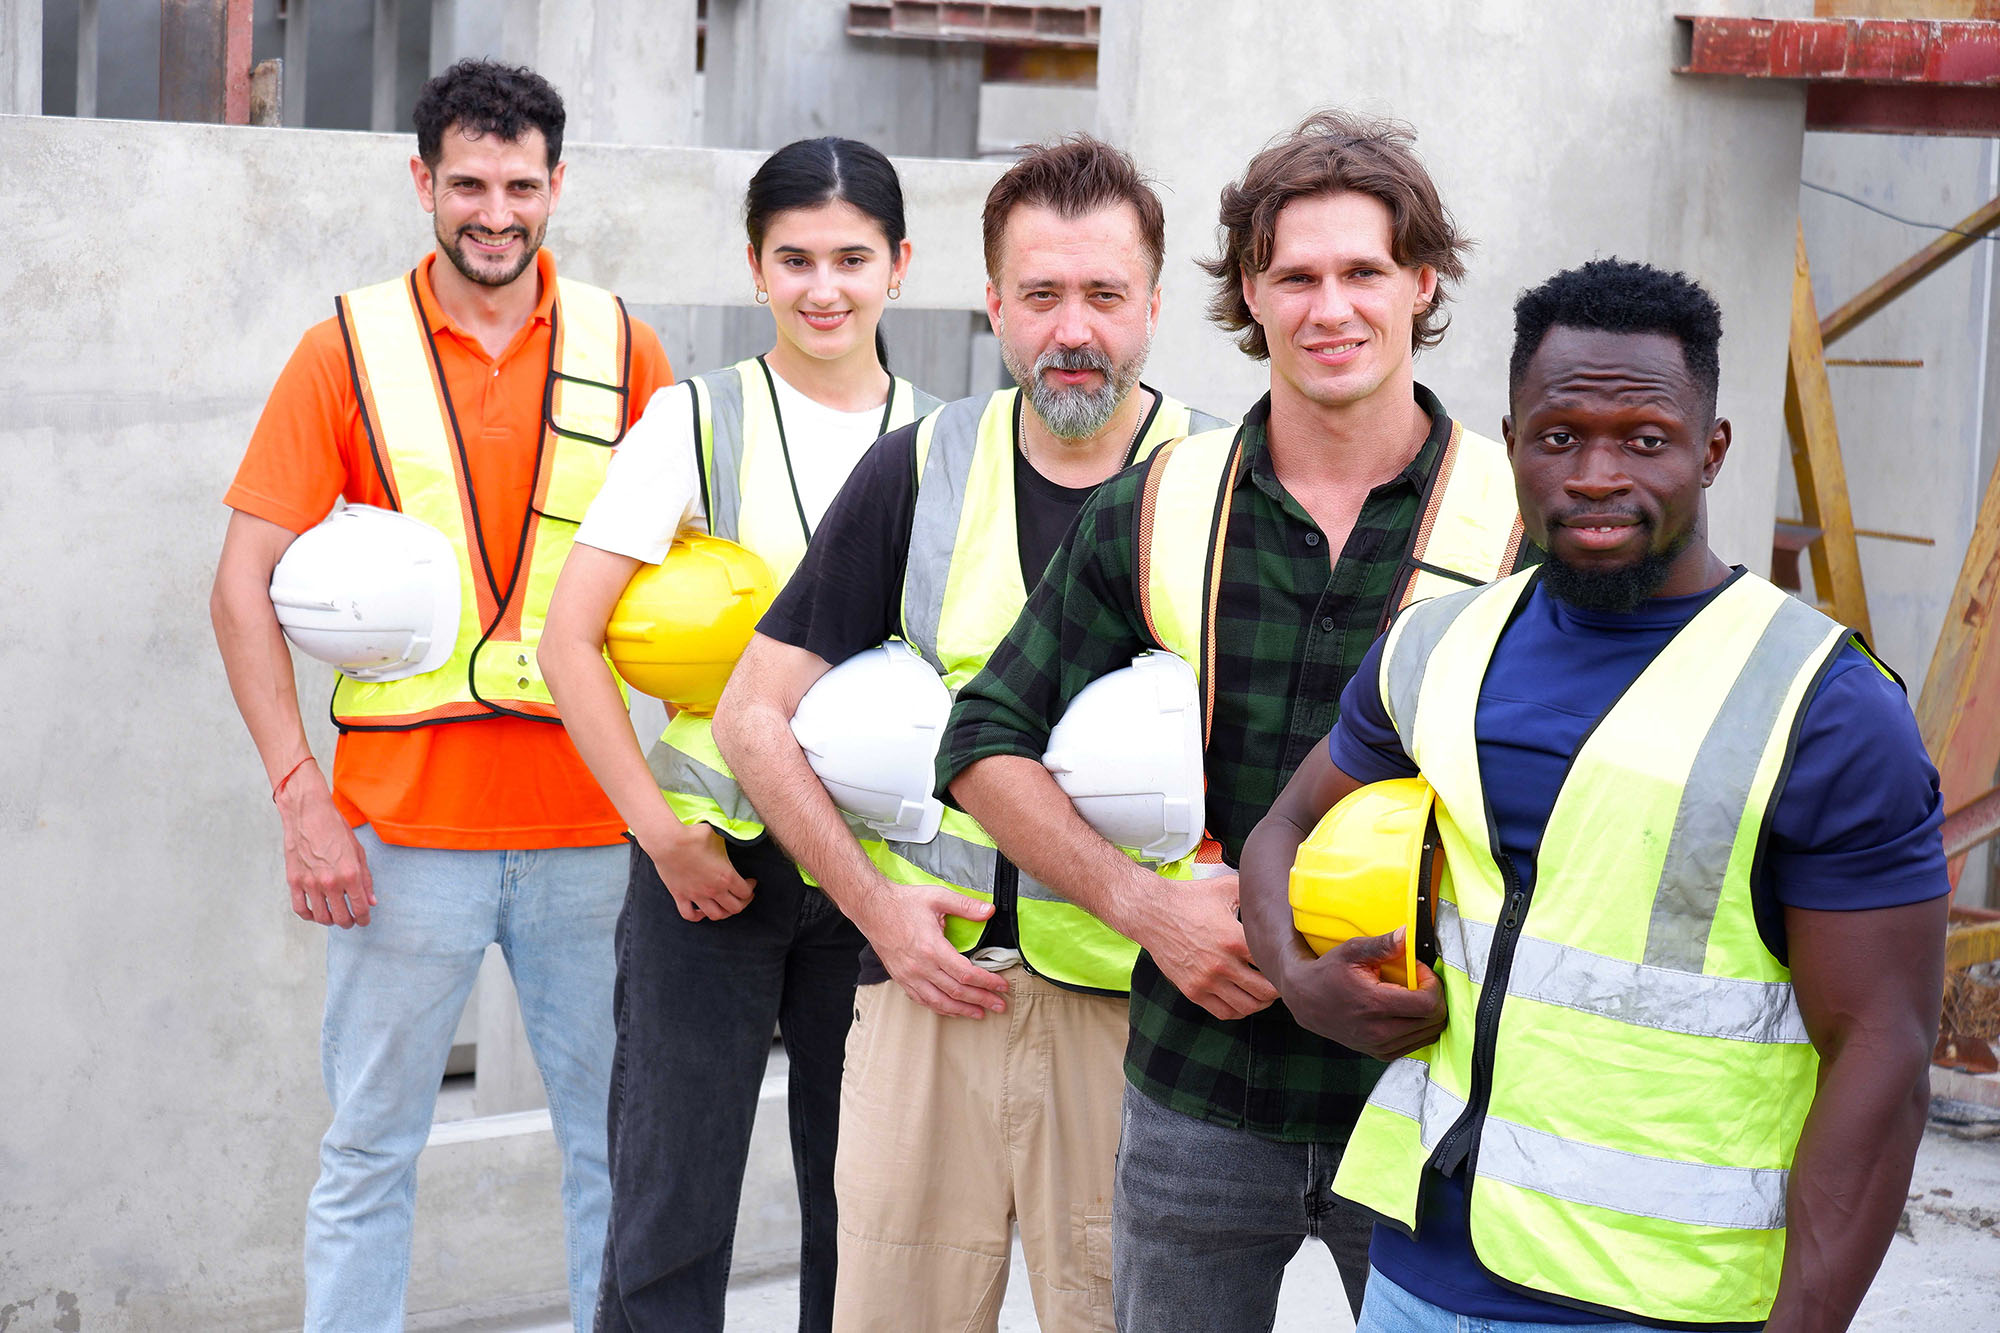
(1334, 269)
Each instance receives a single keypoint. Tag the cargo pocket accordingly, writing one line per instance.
(1097, 1265)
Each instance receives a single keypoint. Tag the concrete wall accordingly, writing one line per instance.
(1919, 444)
(1556, 133)
(161, 1096)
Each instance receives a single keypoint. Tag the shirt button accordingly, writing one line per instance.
(522, 658)
(523, 682)
(496, 372)
(1312, 539)
(1326, 623)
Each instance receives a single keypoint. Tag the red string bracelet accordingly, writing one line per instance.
(279, 790)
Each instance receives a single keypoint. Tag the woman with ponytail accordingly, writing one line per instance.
(720, 939)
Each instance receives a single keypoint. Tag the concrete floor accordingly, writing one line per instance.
(1942, 1272)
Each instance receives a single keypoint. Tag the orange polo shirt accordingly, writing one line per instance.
(498, 782)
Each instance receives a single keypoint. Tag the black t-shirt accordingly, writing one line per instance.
(846, 596)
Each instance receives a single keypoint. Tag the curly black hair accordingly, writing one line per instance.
(486, 97)
(1619, 296)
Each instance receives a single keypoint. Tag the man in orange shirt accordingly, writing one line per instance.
(459, 813)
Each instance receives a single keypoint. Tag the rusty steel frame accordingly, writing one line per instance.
(205, 61)
(1939, 52)
(1074, 26)
(1863, 75)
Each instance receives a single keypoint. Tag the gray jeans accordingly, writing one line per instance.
(1205, 1218)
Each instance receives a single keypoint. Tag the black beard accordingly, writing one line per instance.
(454, 251)
(1624, 589)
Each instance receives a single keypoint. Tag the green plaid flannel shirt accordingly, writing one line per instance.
(1292, 627)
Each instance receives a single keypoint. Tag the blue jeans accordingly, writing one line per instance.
(1205, 1219)
(394, 992)
(697, 1003)
(1390, 1309)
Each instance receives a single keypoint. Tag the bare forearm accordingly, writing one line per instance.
(1842, 1206)
(755, 737)
(595, 716)
(1266, 885)
(259, 667)
(1019, 804)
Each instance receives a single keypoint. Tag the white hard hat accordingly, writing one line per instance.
(1127, 753)
(870, 729)
(372, 591)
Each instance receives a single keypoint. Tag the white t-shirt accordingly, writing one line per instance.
(652, 489)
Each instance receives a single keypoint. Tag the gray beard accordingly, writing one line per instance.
(1075, 414)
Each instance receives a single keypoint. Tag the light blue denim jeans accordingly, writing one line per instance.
(394, 992)
(1390, 1309)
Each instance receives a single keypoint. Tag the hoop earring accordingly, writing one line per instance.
(896, 291)
(763, 297)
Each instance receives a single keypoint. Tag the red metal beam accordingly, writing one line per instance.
(1904, 108)
(1936, 52)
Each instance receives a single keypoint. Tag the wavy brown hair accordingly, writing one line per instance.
(1329, 152)
(1072, 176)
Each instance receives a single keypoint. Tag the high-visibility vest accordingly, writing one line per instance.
(962, 591)
(752, 497)
(414, 436)
(1468, 532)
(1623, 1070)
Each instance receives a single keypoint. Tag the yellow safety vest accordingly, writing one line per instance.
(414, 435)
(1624, 1072)
(1468, 532)
(752, 498)
(962, 591)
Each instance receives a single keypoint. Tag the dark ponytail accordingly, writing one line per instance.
(811, 172)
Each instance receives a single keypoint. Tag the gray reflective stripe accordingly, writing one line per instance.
(1027, 886)
(1718, 790)
(1198, 422)
(1692, 1193)
(1666, 999)
(677, 771)
(722, 393)
(1415, 641)
(925, 404)
(969, 865)
(934, 525)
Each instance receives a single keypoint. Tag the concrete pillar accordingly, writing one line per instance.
(1556, 132)
(383, 50)
(86, 58)
(462, 28)
(21, 57)
(779, 70)
(298, 37)
(626, 71)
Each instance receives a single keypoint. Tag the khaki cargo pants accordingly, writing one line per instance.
(953, 1128)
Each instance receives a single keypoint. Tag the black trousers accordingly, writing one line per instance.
(696, 1005)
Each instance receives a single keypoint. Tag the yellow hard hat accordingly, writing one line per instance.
(1367, 869)
(680, 625)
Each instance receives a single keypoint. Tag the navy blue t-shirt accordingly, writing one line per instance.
(1856, 826)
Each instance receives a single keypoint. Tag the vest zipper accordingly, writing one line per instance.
(1457, 1143)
